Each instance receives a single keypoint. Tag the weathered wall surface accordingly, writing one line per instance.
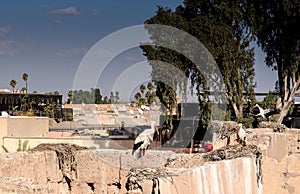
(22, 126)
(281, 164)
(224, 177)
(12, 143)
(280, 159)
(40, 172)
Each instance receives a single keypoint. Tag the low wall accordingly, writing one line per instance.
(12, 143)
(89, 174)
(281, 163)
(280, 159)
(224, 177)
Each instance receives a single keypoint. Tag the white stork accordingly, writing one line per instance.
(264, 113)
(143, 140)
(242, 134)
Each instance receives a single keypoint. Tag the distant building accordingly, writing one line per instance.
(49, 105)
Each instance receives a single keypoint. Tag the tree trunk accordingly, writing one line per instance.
(237, 111)
(288, 100)
(284, 111)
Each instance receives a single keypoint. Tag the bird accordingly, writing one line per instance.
(242, 134)
(143, 140)
(264, 113)
(5, 114)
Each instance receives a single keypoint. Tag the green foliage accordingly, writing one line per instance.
(13, 83)
(98, 97)
(52, 93)
(23, 146)
(221, 27)
(70, 97)
(146, 95)
(269, 101)
(25, 79)
(274, 24)
(247, 122)
(88, 97)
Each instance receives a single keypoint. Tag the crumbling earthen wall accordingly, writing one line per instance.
(223, 177)
(280, 158)
(43, 172)
(40, 172)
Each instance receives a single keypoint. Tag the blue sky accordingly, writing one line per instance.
(48, 39)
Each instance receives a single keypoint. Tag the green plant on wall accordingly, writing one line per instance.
(23, 146)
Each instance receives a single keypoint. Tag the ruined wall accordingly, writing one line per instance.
(281, 164)
(280, 159)
(41, 172)
(12, 143)
(224, 177)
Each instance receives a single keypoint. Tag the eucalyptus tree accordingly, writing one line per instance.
(275, 24)
(170, 75)
(221, 28)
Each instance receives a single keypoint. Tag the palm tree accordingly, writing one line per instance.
(142, 88)
(150, 86)
(117, 98)
(25, 78)
(13, 84)
(70, 95)
(137, 96)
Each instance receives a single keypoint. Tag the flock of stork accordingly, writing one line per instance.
(144, 139)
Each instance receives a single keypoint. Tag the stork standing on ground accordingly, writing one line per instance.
(242, 134)
(143, 140)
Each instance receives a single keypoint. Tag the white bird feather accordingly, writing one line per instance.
(241, 134)
(143, 140)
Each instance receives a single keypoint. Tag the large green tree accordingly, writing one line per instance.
(87, 97)
(98, 96)
(221, 28)
(170, 76)
(275, 24)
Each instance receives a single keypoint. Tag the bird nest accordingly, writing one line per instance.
(65, 154)
(236, 151)
(66, 157)
(273, 125)
(233, 151)
(183, 161)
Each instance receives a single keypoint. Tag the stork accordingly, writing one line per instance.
(264, 113)
(143, 140)
(242, 134)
